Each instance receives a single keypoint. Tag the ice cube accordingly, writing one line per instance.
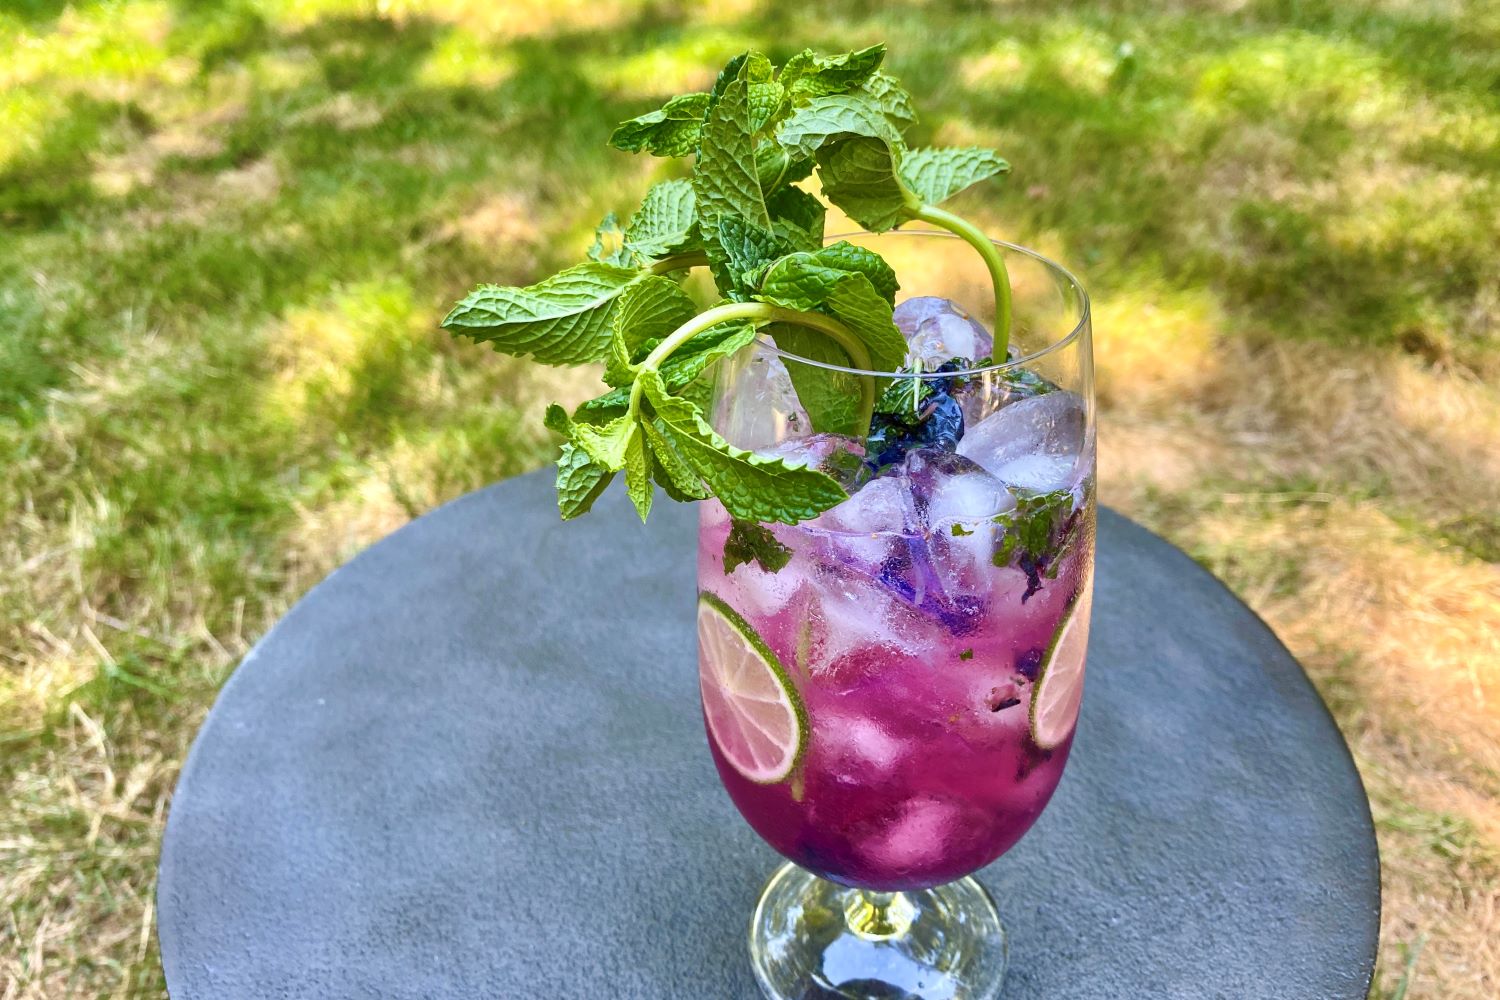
(763, 410)
(860, 534)
(833, 454)
(1040, 473)
(959, 501)
(917, 837)
(881, 505)
(850, 612)
(1033, 444)
(912, 313)
(961, 513)
(757, 593)
(938, 329)
(856, 748)
(944, 337)
(957, 489)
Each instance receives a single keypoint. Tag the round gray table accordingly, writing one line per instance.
(471, 764)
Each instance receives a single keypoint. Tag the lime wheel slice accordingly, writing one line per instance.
(1059, 684)
(754, 714)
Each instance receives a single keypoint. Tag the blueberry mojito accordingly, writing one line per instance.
(896, 499)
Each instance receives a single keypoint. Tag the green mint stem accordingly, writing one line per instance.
(761, 312)
(677, 262)
(971, 235)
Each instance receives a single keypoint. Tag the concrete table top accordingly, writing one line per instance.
(471, 764)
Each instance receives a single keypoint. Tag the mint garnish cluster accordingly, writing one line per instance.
(741, 214)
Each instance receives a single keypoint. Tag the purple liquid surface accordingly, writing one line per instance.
(915, 661)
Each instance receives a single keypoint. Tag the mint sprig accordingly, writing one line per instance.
(753, 138)
(868, 172)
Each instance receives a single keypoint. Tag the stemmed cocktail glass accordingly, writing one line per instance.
(893, 707)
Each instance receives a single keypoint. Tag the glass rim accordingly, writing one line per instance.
(1021, 362)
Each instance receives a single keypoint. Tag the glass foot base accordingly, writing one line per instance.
(811, 939)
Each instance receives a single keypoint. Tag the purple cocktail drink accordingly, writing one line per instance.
(924, 627)
(896, 541)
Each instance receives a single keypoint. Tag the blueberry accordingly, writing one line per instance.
(944, 424)
(937, 424)
(1029, 663)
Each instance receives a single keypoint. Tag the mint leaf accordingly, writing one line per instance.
(795, 237)
(831, 398)
(664, 223)
(605, 444)
(699, 393)
(1037, 532)
(887, 94)
(854, 300)
(693, 358)
(556, 419)
(647, 311)
(609, 243)
(763, 94)
(670, 471)
(638, 471)
(752, 542)
(806, 282)
(859, 175)
(733, 70)
(824, 119)
(750, 487)
(775, 166)
(935, 175)
(845, 256)
(764, 100)
(580, 481)
(855, 286)
(599, 410)
(794, 206)
(738, 251)
(748, 249)
(856, 139)
(673, 130)
(563, 320)
(808, 74)
(725, 178)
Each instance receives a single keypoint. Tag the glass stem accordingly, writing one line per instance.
(993, 260)
(878, 916)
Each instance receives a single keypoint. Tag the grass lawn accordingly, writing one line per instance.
(228, 229)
